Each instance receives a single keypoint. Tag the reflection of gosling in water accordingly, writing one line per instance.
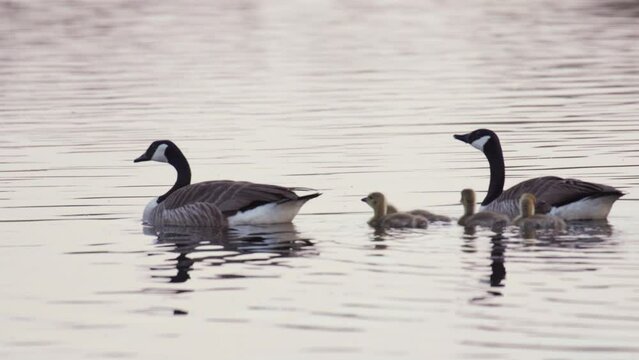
(527, 218)
(390, 209)
(381, 218)
(487, 219)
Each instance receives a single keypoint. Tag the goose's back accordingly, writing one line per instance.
(229, 196)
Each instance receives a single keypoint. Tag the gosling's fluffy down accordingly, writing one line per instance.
(527, 218)
(381, 219)
(486, 219)
(390, 209)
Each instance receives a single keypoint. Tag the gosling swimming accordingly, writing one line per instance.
(528, 219)
(487, 219)
(390, 209)
(382, 219)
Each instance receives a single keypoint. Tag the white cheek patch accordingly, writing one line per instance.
(158, 155)
(479, 143)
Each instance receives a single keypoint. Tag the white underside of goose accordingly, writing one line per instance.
(273, 213)
(586, 209)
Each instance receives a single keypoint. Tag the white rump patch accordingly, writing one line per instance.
(272, 213)
(149, 211)
(586, 209)
(159, 155)
(479, 143)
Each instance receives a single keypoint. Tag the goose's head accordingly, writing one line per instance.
(375, 200)
(527, 204)
(479, 138)
(160, 150)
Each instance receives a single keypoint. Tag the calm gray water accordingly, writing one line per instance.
(347, 97)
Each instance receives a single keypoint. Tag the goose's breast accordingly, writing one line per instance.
(149, 211)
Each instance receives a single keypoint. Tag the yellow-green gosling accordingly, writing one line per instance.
(528, 219)
(487, 219)
(382, 219)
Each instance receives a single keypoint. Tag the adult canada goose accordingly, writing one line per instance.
(528, 219)
(381, 219)
(487, 219)
(570, 199)
(216, 203)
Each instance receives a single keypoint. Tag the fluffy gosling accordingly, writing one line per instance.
(487, 219)
(382, 219)
(528, 219)
(390, 209)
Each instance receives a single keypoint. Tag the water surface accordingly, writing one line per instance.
(347, 97)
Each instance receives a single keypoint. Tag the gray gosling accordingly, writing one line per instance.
(487, 219)
(527, 218)
(382, 219)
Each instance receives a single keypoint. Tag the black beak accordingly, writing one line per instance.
(364, 199)
(465, 138)
(143, 157)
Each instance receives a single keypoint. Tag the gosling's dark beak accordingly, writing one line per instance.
(143, 157)
(364, 199)
(465, 138)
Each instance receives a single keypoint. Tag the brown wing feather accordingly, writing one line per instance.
(192, 214)
(552, 191)
(228, 196)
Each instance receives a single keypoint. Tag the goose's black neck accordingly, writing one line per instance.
(177, 159)
(495, 157)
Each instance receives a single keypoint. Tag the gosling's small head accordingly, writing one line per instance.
(374, 199)
(527, 204)
(468, 197)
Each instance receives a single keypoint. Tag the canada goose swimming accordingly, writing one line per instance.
(216, 203)
(528, 219)
(390, 209)
(381, 219)
(570, 199)
(487, 219)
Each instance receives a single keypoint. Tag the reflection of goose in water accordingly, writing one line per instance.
(249, 243)
(594, 236)
(216, 203)
(577, 234)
